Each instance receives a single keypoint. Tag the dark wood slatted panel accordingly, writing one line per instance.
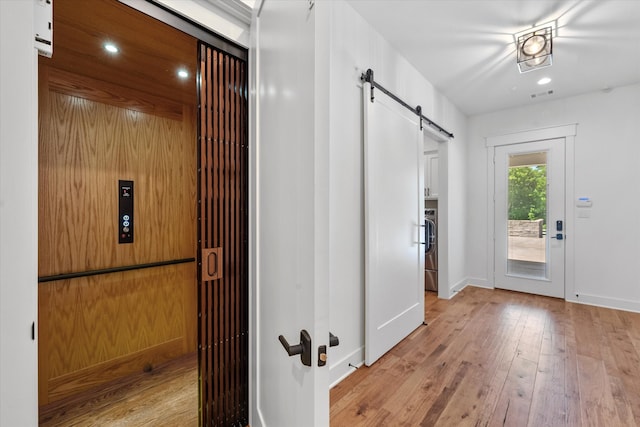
(223, 223)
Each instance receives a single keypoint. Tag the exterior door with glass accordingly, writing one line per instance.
(529, 217)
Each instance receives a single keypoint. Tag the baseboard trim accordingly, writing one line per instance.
(605, 302)
(480, 283)
(470, 281)
(342, 369)
(458, 287)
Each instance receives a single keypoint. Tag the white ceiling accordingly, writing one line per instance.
(465, 48)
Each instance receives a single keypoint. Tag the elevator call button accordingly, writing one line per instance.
(125, 211)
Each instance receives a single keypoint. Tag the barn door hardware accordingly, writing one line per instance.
(368, 78)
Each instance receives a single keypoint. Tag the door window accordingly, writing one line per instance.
(527, 215)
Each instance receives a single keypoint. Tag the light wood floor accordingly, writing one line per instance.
(498, 358)
(166, 396)
(487, 358)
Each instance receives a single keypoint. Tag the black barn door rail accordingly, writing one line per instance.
(67, 276)
(368, 77)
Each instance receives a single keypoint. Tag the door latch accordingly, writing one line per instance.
(322, 350)
(303, 349)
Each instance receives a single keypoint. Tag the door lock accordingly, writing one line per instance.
(322, 355)
(559, 227)
(322, 350)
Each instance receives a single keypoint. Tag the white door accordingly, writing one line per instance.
(394, 224)
(529, 217)
(292, 212)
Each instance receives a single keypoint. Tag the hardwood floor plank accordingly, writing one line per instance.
(624, 368)
(548, 404)
(492, 357)
(515, 400)
(571, 385)
(444, 397)
(587, 337)
(621, 402)
(166, 396)
(598, 407)
(488, 357)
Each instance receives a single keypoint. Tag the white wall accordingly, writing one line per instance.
(607, 152)
(18, 215)
(453, 196)
(356, 46)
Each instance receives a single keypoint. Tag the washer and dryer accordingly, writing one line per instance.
(431, 250)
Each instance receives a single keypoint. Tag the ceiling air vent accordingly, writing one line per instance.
(540, 94)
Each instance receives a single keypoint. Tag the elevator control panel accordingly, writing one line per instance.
(125, 211)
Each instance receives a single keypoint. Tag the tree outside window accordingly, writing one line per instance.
(528, 192)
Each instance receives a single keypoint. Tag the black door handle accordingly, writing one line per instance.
(303, 349)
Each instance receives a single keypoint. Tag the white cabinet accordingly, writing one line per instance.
(431, 175)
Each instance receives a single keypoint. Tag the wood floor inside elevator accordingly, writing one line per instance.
(165, 396)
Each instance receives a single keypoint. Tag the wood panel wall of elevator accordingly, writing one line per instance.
(105, 118)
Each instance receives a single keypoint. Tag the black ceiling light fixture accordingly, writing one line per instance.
(534, 48)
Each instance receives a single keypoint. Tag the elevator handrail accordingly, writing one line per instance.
(66, 276)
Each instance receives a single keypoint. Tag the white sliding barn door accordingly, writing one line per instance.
(394, 210)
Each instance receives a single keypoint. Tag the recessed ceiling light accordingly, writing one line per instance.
(544, 81)
(110, 47)
(183, 74)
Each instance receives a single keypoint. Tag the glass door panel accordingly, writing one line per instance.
(527, 216)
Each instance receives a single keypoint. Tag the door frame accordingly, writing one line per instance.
(552, 282)
(566, 132)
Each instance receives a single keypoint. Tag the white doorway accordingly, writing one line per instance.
(529, 215)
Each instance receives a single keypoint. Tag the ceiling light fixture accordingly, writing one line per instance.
(534, 48)
(544, 81)
(110, 47)
(183, 74)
